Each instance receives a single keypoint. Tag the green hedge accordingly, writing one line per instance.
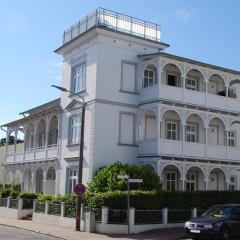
(160, 199)
(69, 199)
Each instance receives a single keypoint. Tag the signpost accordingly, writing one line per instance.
(129, 180)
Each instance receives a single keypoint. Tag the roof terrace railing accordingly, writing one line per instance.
(113, 21)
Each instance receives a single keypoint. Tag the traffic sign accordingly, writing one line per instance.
(132, 180)
(79, 189)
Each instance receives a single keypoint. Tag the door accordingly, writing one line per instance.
(213, 87)
(213, 181)
(213, 134)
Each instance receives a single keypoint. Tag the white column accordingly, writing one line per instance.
(131, 220)
(15, 140)
(206, 91)
(165, 216)
(104, 215)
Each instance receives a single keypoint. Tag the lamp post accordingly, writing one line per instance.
(80, 159)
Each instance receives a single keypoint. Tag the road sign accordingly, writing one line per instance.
(132, 180)
(79, 189)
(123, 177)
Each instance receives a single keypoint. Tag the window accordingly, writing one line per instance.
(171, 130)
(72, 179)
(41, 139)
(231, 138)
(149, 77)
(191, 84)
(191, 133)
(191, 182)
(75, 129)
(53, 136)
(171, 181)
(233, 183)
(127, 128)
(172, 80)
(78, 78)
(129, 77)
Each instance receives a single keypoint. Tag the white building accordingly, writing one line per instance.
(144, 106)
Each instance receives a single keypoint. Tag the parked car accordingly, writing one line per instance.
(220, 222)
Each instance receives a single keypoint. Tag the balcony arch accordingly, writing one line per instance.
(148, 126)
(29, 136)
(194, 178)
(171, 176)
(39, 180)
(27, 180)
(234, 89)
(50, 183)
(195, 128)
(41, 134)
(171, 125)
(150, 75)
(216, 179)
(172, 75)
(216, 85)
(53, 131)
(216, 131)
(195, 80)
(234, 133)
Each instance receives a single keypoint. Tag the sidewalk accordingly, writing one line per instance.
(70, 234)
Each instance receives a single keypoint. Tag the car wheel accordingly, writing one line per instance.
(225, 234)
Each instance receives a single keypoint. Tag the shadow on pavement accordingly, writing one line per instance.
(158, 234)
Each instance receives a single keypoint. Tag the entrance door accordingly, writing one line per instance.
(213, 181)
(213, 87)
(213, 135)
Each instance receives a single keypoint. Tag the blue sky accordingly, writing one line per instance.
(30, 31)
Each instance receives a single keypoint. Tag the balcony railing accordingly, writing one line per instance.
(49, 152)
(113, 21)
(186, 149)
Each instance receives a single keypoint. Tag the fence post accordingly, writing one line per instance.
(20, 203)
(8, 202)
(165, 216)
(194, 212)
(63, 209)
(47, 204)
(34, 205)
(131, 220)
(104, 215)
(90, 222)
(82, 227)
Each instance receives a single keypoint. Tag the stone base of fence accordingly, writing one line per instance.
(56, 220)
(14, 213)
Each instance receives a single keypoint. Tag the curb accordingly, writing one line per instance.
(33, 231)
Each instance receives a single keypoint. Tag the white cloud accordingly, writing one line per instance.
(183, 14)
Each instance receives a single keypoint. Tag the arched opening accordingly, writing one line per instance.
(150, 76)
(148, 127)
(41, 134)
(216, 180)
(27, 181)
(216, 85)
(39, 180)
(17, 178)
(20, 140)
(194, 179)
(234, 89)
(171, 178)
(171, 126)
(233, 134)
(11, 142)
(53, 132)
(9, 177)
(194, 129)
(216, 132)
(234, 180)
(171, 75)
(195, 81)
(29, 138)
(49, 186)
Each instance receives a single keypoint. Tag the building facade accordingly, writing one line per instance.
(144, 106)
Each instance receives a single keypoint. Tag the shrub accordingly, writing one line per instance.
(160, 199)
(14, 194)
(5, 193)
(106, 178)
(28, 195)
(17, 188)
(45, 197)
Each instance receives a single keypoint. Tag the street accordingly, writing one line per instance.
(12, 233)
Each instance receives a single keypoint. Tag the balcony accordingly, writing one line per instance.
(46, 153)
(115, 22)
(189, 150)
(177, 94)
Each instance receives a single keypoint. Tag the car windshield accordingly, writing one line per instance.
(218, 212)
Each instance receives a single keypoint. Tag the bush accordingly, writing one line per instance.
(28, 195)
(14, 194)
(5, 193)
(160, 199)
(17, 188)
(106, 178)
(45, 197)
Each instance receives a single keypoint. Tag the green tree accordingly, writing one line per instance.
(106, 178)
